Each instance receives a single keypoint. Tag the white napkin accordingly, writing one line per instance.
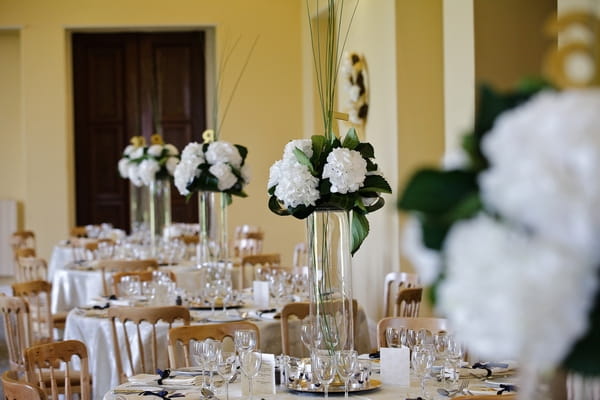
(183, 380)
(496, 370)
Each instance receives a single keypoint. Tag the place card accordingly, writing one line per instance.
(261, 294)
(264, 382)
(395, 366)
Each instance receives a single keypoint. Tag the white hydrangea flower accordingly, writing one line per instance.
(346, 170)
(171, 164)
(246, 174)
(137, 152)
(226, 178)
(184, 173)
(275, 174)
(193, 152)
(155, 150)
(128, 150)
(544, 160)
(133, 172)
(147, 171)
(124, 167)
(298, 187)
(503, 289)
(171, 150)
(305, 145)
(427, 262)
(223, 152)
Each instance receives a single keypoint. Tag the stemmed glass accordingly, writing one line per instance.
(422, 360)
(224, 291)
(346, 361)
(455, 353)
(324, 369)
(250, 361)
(211, 291)
(244, 340)
(293, 370)
(440, 341)
(226, 366)
(310, 334)
(393, 337)
(198, 357)
(210, 349)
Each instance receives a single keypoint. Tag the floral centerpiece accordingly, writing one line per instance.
(217, 170)
(144, 164)
(509, 240)
(333, 183)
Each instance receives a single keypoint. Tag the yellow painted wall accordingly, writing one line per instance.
(12, 172)
(509, 39)
(420, 87)
(266, 113)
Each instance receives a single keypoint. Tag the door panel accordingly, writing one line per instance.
(121, 81)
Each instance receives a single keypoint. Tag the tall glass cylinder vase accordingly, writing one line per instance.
(139, 209)
(213, 243)
(160, 210)
(330, 266)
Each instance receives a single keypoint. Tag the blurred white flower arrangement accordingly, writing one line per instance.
(354, 78)
(510, 241)
(143, 164)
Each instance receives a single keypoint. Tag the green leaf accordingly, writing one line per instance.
(371, 166)
(228, 199)
(271, 190)
(366, 150)
(434, 232)
(375, 183)
(467, 208)
(351, 139)
(376, 206)
(277, 207)
(304, 160)
(302, 211)
(360, 230)
(433, 191)
(319, 148)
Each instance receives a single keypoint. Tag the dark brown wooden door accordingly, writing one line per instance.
(121, 81)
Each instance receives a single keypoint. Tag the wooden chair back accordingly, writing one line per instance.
(109, 267)
(433, 325)
(55, 361)
(21, 239)
(180, 338)
(408, 302)
(394, 282)
(31, 268)
(37, 294)
(141, 317)
(17, 330)
(25, 252)
(15, 389)
(300, 257)
(248, 240)
(254, 266)
(145, 276)
(301, 310)
(78, 232)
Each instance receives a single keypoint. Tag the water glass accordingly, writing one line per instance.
(324, 369)
(244, 340)
(393, 337)
(422, 360)
(346, 362)
(362, 373)
(250, 362)
(294, 367)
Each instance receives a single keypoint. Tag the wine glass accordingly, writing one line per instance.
(455, 353)
(210, 349)
(393, 337)
(226, 365)
(440, 342)
(224, 289)
(198, 357)
(250, 361)
(244, 340)
(324, 368)
(211, 291)
(346, 361)
(422, 360)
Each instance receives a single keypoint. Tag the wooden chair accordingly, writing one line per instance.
(108, 267)
(258, 264)
(394, 282)
(37, 295)
(54, 361)
(181, 336)
(141, 317)
(431, 324)
(25, 252)
(145, 276)
(248, 240)
(78, 232)
(22, 239)
(301, 311)
(408, 302)
(300, 257)
(17, 330)
(14, 389)
(31, 268)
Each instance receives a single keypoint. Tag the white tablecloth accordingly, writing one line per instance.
(95, 332)
(60, 258)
